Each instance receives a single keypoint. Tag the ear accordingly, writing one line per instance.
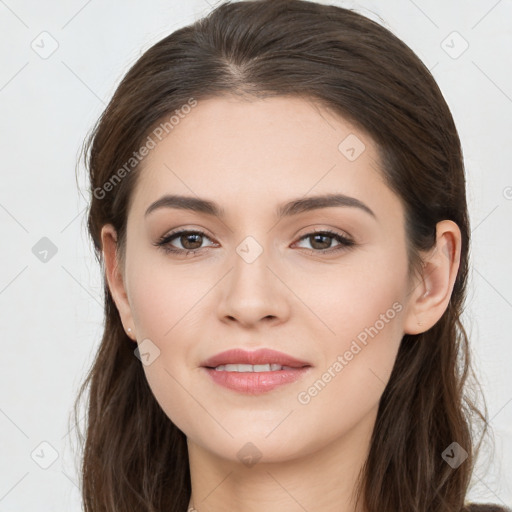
(430, 295)
(115, 278)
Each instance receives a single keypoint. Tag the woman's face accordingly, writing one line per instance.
(260, 280)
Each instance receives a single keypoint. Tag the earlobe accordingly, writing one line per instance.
(115, 278)
(431, 294)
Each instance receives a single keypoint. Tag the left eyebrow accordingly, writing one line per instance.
(324, 201)
(290, 208)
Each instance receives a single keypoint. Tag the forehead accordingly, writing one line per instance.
(248, 153)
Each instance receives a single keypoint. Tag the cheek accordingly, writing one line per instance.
(162, 297)
(169, 304)
(360, 302)
(356, 359)
(361, 311)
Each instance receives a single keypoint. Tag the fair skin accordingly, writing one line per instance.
(249, 157)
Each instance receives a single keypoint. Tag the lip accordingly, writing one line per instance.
(260, 356)
(254, 383)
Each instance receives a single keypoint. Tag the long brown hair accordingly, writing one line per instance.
(134, 457)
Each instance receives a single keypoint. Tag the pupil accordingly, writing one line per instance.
(325, 244)
(189, 236)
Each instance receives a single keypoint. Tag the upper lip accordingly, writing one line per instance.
(260, 356)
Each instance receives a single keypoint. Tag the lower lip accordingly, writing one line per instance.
(254, 383)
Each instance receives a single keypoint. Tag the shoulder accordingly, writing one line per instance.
(481, 507)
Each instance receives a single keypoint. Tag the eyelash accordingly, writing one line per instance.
(344, 242)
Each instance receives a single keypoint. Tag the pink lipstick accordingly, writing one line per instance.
(254, 372)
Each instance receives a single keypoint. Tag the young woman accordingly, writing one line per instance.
(278, 203)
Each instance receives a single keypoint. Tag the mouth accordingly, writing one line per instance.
(259, 360)
(255, 368)
(254, 372)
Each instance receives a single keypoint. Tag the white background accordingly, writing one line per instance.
(51, 313)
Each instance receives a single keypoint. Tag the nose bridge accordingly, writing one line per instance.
(252, 291)
(250, 275)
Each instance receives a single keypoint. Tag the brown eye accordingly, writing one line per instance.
(321, 241)
(190, 241)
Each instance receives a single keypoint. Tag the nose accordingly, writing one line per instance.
(253, 292)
